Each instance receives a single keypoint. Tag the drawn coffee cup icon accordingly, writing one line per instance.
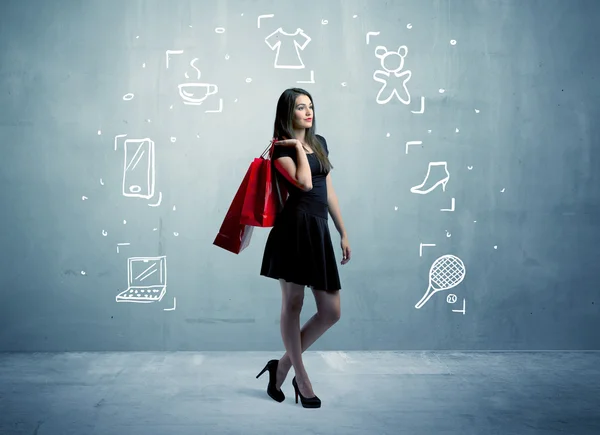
(196, 93)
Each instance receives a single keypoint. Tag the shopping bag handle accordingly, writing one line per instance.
(271, 145)
(280, 200)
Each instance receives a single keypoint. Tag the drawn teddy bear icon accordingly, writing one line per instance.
(392, 62)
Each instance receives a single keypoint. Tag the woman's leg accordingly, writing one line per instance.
(328, 313)
(291, 306)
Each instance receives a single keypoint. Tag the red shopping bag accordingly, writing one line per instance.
(265, 196)
(234, 236)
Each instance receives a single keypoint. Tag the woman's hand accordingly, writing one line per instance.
(346, 252)
(287, 142)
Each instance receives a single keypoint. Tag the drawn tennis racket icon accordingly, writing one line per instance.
(445, 273)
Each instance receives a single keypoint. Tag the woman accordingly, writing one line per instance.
(299, 251)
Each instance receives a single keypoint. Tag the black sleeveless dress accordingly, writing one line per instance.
(299, 247)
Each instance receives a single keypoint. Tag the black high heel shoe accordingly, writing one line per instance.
(273, 392)
(310, 402)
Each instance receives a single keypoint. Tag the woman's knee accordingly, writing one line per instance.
(293, 304)
(328, 306)
(331, 314)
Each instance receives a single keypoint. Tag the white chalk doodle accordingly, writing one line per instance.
(324, 22)
(220, 109)
(437, 174)
(261, 17)
(121, 244)
(456, 130)
(369, 34)
(118, 140)
(104, 233)
(195, 93)
(463, 308)
(83, 272)
(452, 206)
(445, 273)
(128, 97)
(287, 47)
(169, 53)
(453, 42)
(412, 143)
(409, 26)
(441, 90)
(83, 198)
(476, 110)
(158, 202)
(311, 80)
(138, 168)
(503, 189)
(389, 69)
(198, 73)
(423, 245)
(220, 30)
(422, 109)
(99, 132)
(146, 280)
(135, 190)
(174, 307)
(448, 234)
(451, 298)
(470, 168)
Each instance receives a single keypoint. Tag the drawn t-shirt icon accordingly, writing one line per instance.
(288, 55)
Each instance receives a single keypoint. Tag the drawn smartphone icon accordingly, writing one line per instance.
(138, 168)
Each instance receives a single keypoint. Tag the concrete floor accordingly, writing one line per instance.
(362, 392)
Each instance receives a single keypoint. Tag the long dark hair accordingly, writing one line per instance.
(283, 127)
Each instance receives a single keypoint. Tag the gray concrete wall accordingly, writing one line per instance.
(515, 124)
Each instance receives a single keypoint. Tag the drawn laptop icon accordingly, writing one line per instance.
(146, 280)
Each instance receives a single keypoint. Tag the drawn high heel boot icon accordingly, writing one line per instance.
(430, 182)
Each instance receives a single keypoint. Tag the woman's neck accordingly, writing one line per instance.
(300, 134)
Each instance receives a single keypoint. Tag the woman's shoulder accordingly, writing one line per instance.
(283, 151)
